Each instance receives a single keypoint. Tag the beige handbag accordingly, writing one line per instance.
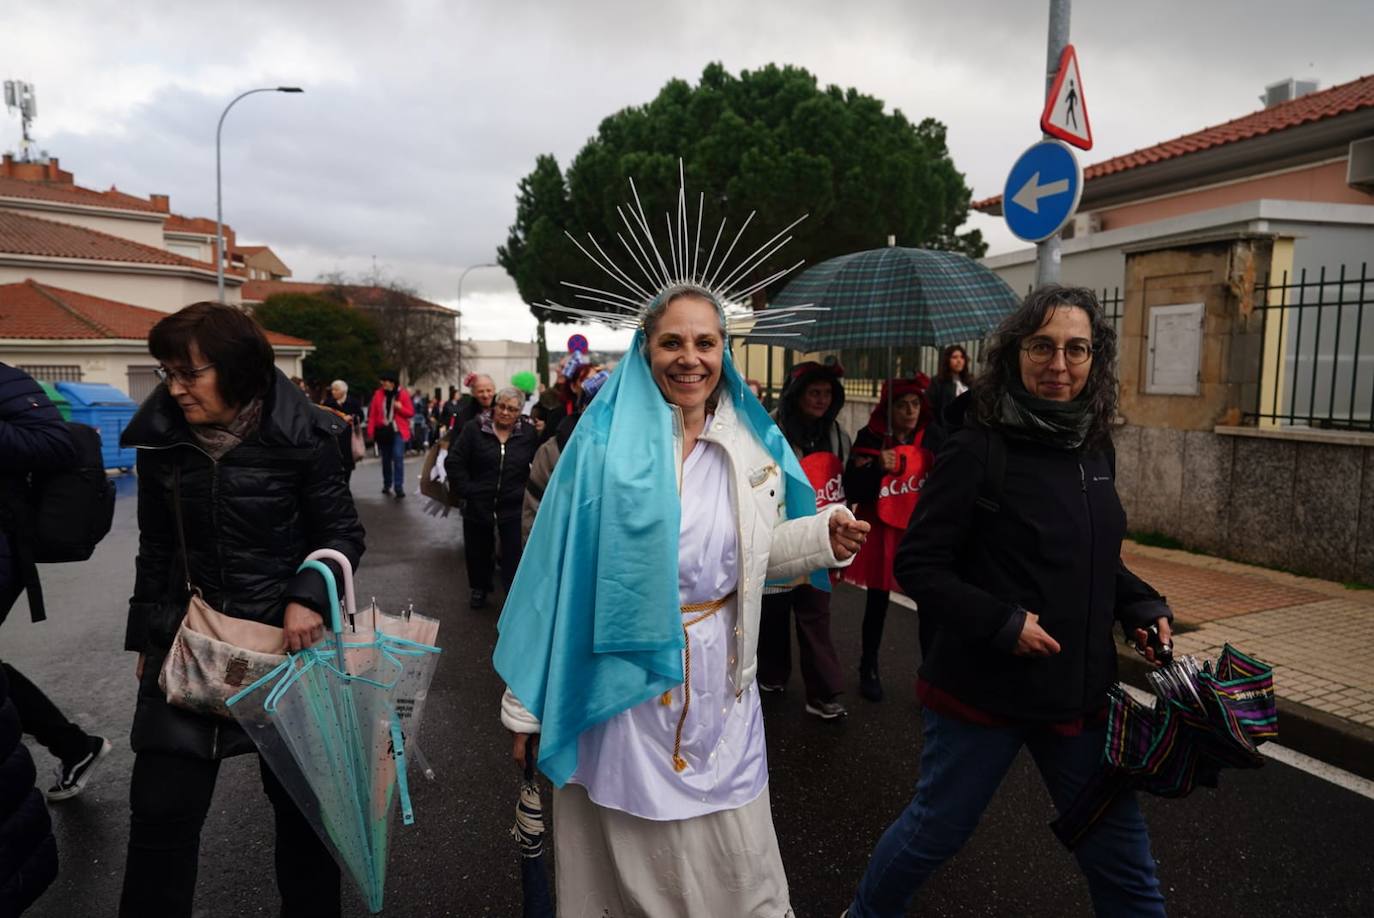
(214, 655)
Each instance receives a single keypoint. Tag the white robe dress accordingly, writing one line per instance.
(632, 835)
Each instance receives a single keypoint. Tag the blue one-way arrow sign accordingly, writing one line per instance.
(1042, 190)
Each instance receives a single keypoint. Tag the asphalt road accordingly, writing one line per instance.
(1272, 842)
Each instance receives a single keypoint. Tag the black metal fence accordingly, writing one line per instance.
(1316, 366)
(866, 368)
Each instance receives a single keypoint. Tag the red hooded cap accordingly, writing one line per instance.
(896, 388)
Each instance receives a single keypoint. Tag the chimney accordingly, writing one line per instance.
(25, 171)
(1287, 90)
(161, 202)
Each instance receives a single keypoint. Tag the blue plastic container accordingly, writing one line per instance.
(109, 411)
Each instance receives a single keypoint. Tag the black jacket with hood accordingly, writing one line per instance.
(808, 435)
(250, 519)
(1052, 547)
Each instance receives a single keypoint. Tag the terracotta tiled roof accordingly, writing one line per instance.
(255, 291)
(252, 249)
(204, 226)
(1318, 106)
(37, 311)
(24, 235)
(65, 193)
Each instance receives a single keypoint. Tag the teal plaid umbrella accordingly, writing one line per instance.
(893, 297)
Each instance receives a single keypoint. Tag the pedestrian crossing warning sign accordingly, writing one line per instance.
(1066, 114)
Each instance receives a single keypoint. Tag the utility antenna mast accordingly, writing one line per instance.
(20, 95)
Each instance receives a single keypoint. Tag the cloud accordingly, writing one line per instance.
(419, 118)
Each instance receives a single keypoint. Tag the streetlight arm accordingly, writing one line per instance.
(219, 197)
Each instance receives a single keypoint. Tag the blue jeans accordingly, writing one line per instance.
(394, 464)
(962, 765)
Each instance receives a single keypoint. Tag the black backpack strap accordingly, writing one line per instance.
(28, 572)
(994, 471)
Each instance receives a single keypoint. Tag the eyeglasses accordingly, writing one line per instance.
(186, 377)
(509, 409)
(1042, 350)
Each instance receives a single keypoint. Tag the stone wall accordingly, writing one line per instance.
(1299, 501)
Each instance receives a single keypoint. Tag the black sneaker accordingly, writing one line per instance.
(478, 599)
(400, 494)
(386, 491)
(72, 776)
(826, 710)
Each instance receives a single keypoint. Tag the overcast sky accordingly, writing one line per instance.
(419, 118)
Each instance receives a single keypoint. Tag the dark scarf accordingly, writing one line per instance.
(1061, 425)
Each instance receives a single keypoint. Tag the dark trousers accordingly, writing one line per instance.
(394, 464)
(962, 765)
(875, 616)
(40, 718)
(168, 798)
(820, 664)
(479, 549)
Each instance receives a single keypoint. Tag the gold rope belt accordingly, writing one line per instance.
(706, 610)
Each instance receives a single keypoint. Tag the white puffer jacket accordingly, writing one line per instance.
(771, 547)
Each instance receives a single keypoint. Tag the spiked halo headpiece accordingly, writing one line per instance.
(639, 290)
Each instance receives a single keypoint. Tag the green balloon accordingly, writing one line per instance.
(526, 382)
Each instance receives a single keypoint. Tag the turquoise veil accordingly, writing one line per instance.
(591, 626)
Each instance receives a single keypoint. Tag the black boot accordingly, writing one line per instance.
(870, 686)
(478, 599)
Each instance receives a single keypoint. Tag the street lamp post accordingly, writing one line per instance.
(219, 194)
(485, 264)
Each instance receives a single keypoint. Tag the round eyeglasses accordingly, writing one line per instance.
(1041, 350)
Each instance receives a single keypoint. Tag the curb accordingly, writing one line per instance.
(1333, 740)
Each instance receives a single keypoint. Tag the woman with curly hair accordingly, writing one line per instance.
(1014, 553)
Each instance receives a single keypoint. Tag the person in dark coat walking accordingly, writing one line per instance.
(481, 392)
(33, 437)
(29, 864)
(237, 462)
(487, 469)
(806, 413)
(1015, 550)
(351, 408)
(953, 380)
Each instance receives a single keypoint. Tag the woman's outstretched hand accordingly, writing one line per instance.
(847, 535)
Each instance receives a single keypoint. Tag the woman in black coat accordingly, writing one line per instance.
(28, 853)
(256, 471)
(1014, 553)
(953, 380)
(487, 469)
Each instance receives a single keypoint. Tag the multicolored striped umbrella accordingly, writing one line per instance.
(1204, 721)
(893, 297)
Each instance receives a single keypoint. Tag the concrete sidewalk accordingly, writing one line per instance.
(1318, 636)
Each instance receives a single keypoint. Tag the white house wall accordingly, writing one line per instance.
(105, 362)
(147, 232)
(166, 293)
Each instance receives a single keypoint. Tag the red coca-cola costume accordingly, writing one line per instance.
(885, 499)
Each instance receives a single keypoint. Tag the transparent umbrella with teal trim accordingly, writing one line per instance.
(335, 723)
